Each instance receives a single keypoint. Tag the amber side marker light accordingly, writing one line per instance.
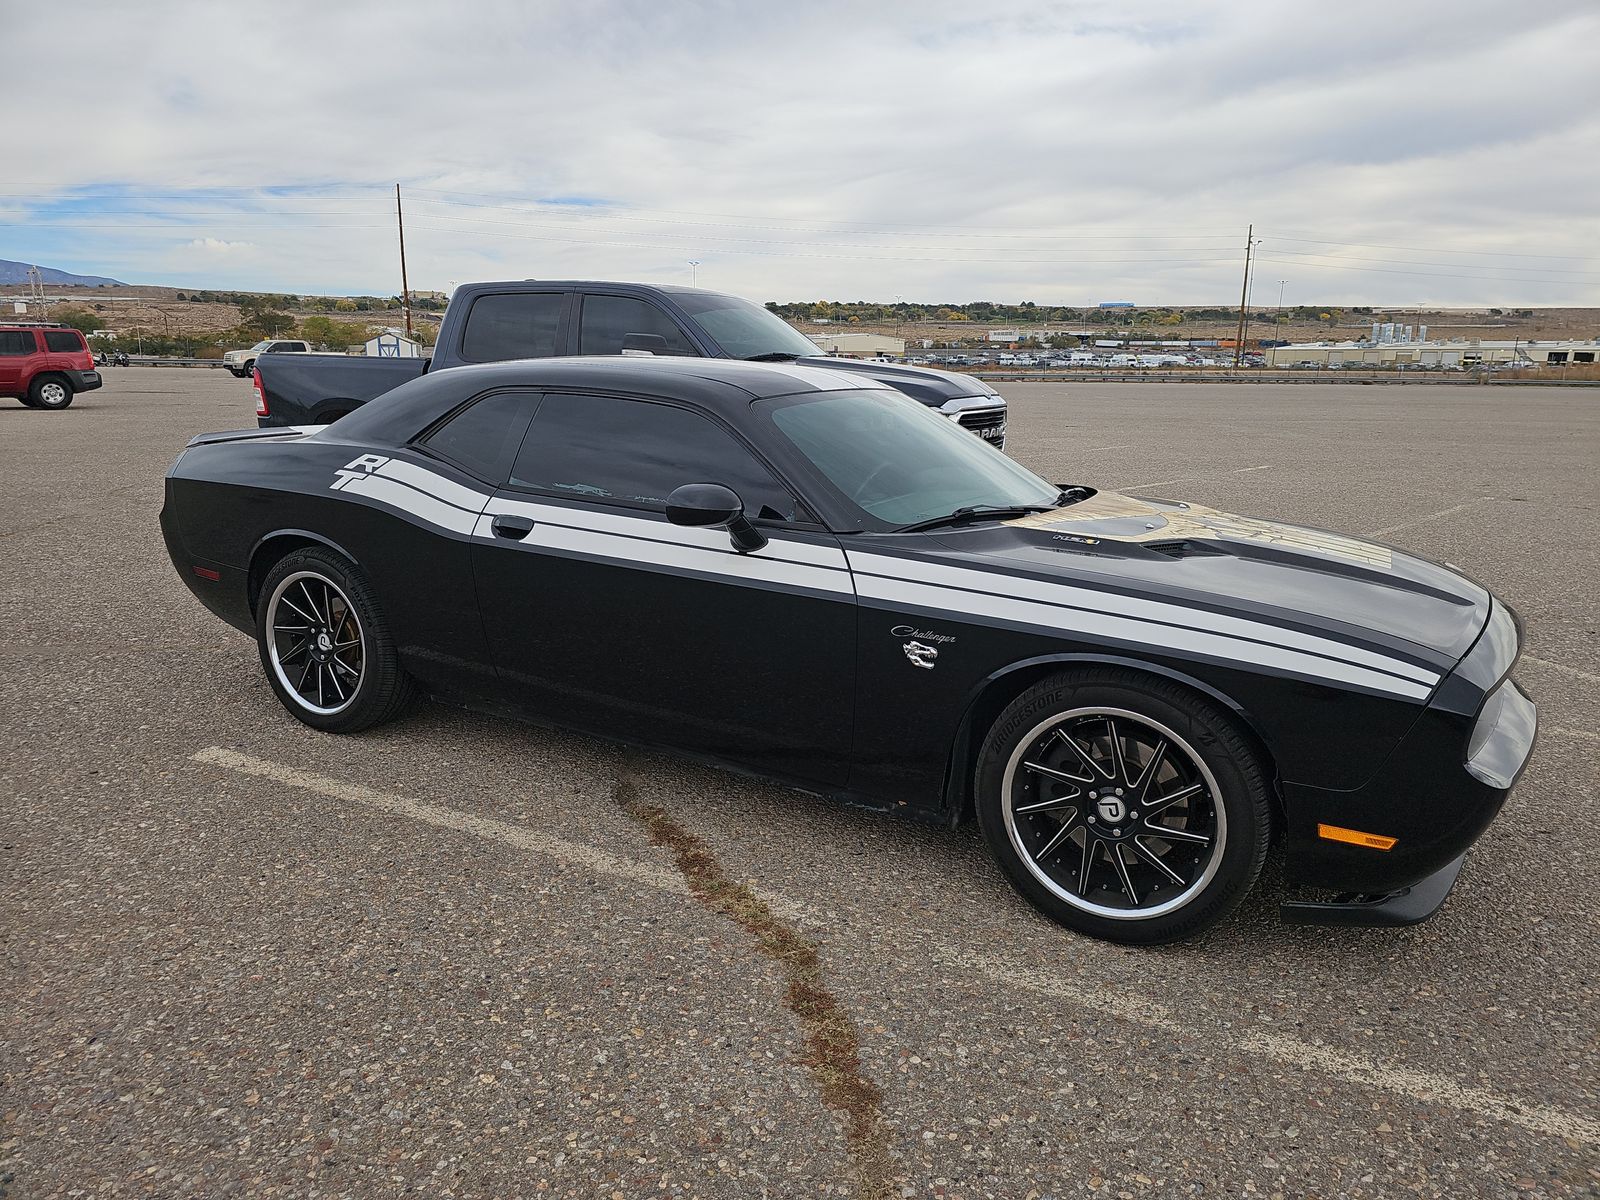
(1372, 841)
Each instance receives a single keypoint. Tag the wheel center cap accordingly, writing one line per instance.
(324, 642)
(1111, 809)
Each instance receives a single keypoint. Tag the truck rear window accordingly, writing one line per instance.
(513, 325)
(63, 341)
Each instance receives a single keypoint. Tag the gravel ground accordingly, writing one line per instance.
(464, 957)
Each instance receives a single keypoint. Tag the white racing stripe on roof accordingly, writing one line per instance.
(1074, 623)
(721, 560)
(407, 499)
(989, 583)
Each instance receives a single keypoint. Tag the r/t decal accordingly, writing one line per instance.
(359, 468)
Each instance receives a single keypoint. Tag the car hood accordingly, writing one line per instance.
(920, 383)
(1291, 575)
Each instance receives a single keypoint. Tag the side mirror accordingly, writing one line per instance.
(711, 504)
(644, 343)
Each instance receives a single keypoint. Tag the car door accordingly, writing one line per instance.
(16, 347)
(601, 613)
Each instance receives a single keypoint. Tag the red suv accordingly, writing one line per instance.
(44, 366)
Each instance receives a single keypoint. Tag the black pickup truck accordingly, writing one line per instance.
(491, 322)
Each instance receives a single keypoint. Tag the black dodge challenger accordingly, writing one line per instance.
(796, 573)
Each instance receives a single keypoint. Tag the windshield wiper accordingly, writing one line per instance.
(976, 512)
(774, 356)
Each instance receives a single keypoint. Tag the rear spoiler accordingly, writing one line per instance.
(245, 435)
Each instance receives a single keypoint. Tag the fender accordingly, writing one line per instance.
(964, 746)
(299, 535)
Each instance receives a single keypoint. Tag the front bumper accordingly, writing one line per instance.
(1406, 906)
(1432, 797)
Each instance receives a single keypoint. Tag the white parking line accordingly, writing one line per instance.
(1421, 1086)
(1127, 487)
(1443, 512)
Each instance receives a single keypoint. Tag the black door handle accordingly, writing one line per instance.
(507, 526)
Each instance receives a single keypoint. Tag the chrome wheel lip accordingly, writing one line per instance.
(273, 654)
(1143, 913)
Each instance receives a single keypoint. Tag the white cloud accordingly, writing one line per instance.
(1045, 151)
(218, 247)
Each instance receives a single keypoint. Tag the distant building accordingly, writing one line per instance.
(858, 345)
(1004, 336)
(1116, 304)
(1463, 352)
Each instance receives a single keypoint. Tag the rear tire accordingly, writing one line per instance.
(50, 391)
(1123, 806)
(325, 646)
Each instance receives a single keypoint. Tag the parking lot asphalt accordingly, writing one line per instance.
(458, 956)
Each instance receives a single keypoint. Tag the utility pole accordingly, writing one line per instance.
(405, 287)
(1244, 296)
(1277, 317)
(694, 272)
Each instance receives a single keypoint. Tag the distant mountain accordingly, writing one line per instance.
(16, 272)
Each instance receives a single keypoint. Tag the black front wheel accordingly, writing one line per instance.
(325, 647)
(1123, 806)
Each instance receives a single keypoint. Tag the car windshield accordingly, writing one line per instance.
(262, 345)
(743, 329)
(899, 461)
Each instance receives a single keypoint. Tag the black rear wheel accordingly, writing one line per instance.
(1123, 806)
(325, 647)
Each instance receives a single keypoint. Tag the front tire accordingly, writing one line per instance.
(1123, 806)
(325, 647)
(50, 391)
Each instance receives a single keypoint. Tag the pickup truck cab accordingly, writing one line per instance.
(45, 366)
(494, 322)
(242, 362)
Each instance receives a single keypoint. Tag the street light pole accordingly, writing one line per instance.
(694, 272)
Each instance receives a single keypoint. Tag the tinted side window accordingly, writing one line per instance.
(636, 453)
(609, 319)
(62, 341)
(16, 341)
(481, 438)
(513, 325)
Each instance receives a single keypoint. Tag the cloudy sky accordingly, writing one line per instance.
(1444, 152)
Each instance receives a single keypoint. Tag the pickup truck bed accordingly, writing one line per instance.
(315, 389)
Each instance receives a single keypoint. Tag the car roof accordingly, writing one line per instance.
(724, 386)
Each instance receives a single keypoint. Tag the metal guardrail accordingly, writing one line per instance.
(150, 360)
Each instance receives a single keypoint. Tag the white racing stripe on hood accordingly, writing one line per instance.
(978, 587)
(828, 379)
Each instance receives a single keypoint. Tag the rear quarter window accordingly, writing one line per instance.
(64, 341)
(513, 325)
